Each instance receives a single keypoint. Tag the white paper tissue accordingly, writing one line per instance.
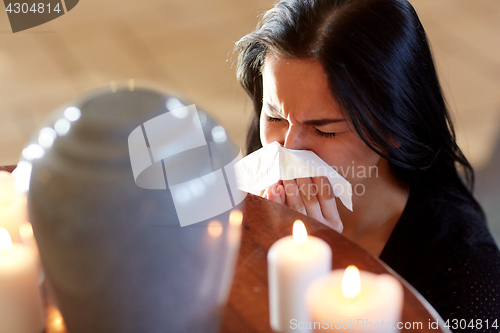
(272, 163)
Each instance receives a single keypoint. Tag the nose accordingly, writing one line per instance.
(293, 138)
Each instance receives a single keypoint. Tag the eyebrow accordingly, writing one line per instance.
(312, 122)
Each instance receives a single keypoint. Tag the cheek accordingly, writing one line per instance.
(351, 157)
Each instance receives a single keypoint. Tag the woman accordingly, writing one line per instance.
(354, 81)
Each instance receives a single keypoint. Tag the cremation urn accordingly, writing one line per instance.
(134, 206)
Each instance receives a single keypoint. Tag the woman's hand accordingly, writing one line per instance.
(310, 196)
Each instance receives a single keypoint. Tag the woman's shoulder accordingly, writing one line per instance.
(466, 282)
(443, 224)
(448, 212)
(437, 221)
(455, 217)
(442, 246)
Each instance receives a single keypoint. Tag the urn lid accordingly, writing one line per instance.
(150, 138)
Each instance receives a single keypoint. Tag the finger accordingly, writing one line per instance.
(327, 203)
(308, 191)
(282, 193)
(276, 194)
(264, 192)
(293, 198)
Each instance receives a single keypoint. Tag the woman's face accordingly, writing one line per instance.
(300, 113)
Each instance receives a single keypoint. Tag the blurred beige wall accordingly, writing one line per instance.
(186, 45)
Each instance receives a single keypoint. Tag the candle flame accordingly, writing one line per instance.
(214, 229)
(5, 240)
(55, 321)
(22, 174)
(26, 231)
(299, 232)
(236, 217)
(351, 284)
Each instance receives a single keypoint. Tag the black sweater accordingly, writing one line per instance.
(441, 246)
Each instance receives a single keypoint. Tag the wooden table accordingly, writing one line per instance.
(264, 223)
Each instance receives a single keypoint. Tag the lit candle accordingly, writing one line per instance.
(234, 234)
(13, 206)
(55, 321)
(234, 238)
(21, 306)
(28, 239)
(214, 231)
(293, 262)
(354, 300)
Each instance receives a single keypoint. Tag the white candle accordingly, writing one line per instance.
(28, 239)
(353, 300)
(233, 244)
(234, 234)
(13, 206)
(293, 262)
(21, 306)
(214, 231)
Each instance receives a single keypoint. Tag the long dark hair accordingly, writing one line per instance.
(381, 72)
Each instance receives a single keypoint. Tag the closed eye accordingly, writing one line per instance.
(324, 134)
(317, 131)
(272, 120)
